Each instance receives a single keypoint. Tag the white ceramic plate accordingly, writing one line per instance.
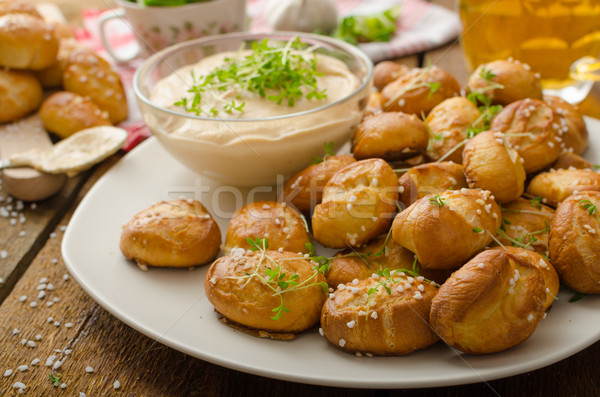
(170, 307)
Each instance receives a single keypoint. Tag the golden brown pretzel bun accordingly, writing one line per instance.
(390, 136)
(517, 78)
(446, 229)
(571, 124)
(360, 263)
(419, 90)
(26, 42)
(380, 323)
(304, 190)
(430, 178)
(551, 280)
(490, 164)
(448, 124)
(532, 129)
(527, 222)
(52, 76)
(235, 285)
(358, 204)
(568, 160)
(176, 233)
(66, 113)
(387, 71)
(87, 74)
(18, 7)
(280, 224)
(575, 242)
(555, 186)
(493, 302)
(20, 94)
(373, 104)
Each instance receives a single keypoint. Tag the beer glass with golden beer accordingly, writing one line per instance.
(549, 35)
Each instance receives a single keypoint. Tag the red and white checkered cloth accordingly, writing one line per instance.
(421, 26)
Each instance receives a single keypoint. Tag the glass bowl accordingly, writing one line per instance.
(250, 152)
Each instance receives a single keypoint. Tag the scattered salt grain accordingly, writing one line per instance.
(89, 369)
(117, 384)
(342, 342)
(8, 372)
(23, 368)
(23, 298)
(63, 385)
(33, 304)
(351, 324)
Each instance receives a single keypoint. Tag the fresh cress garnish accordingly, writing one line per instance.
(280, 73)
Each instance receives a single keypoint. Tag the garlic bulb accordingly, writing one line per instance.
(302, 15)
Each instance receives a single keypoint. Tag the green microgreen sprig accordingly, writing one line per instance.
(328, 147)
(279, 281)
(577, 297)
(525, 239)
(55, 378)
(437, 200)
(590, 208)
(280, 73)
(387, 277)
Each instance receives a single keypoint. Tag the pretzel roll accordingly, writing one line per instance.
(26, 42)
(373, 104)
(52, 76)
(493, 302)
(568, 160)
(575, 242)
(280, 224)
(526, 222)
(490, 164)
(87, 74)
(380, 323)
(177, 233)
(18, 7)
(448, 124)
(446, 229)
(419, 90)
(65, 113)
(516, 78)
(532, 129)
(390, 136)
(358, 204)
(241, 286)
(549, 274)
(572, 126)
(376, 255)
(556, 186)
(430, 178)
(20, 94)
(387, 71)
(304, 190)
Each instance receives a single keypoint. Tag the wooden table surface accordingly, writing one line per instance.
(69, 325)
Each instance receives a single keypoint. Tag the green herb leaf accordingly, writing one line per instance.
(536, 202)
(328, 147)
(379, 26)
(577, 297)
(478, 230)
(437, 200)
(55, 378)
